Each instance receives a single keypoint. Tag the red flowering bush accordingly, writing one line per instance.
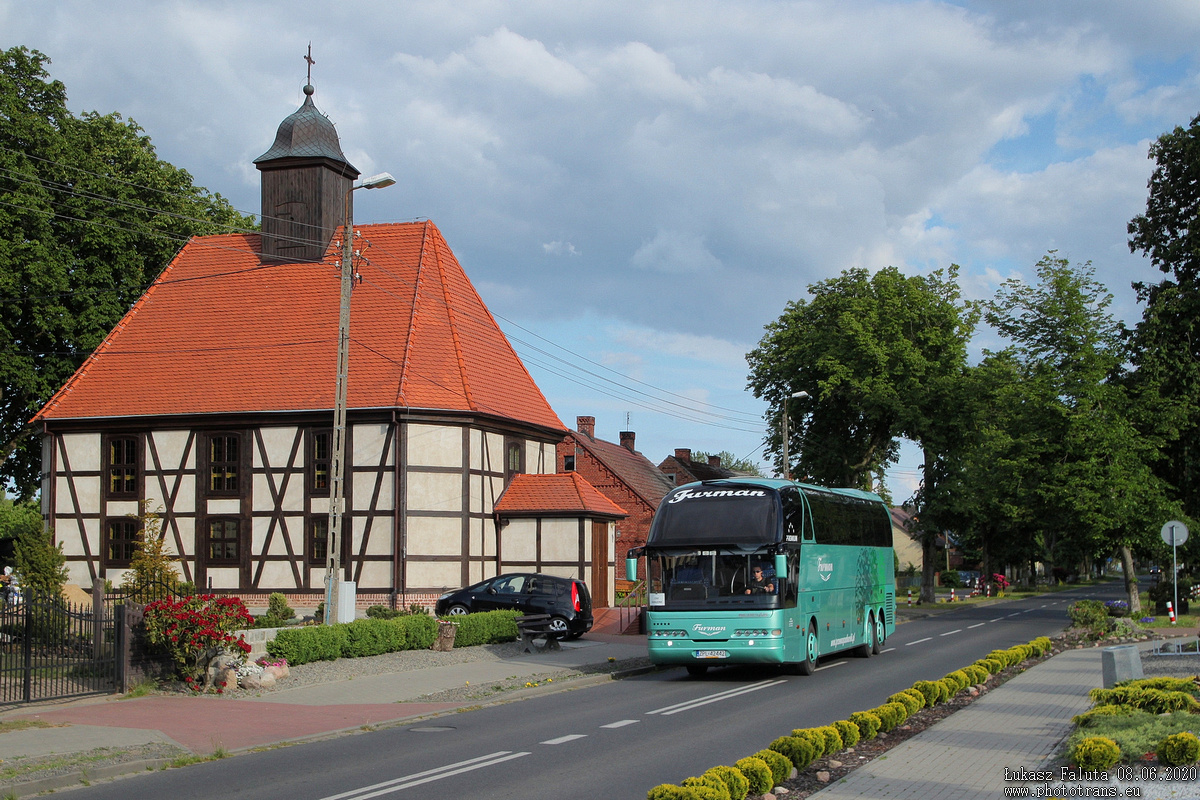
(195, 630)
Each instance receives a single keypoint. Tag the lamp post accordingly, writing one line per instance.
(787, 468)
(337, 492)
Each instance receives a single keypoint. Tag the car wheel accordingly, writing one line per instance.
(558, 628)
(879, 636)
(696, 670)
(458, 610)
(809, 665)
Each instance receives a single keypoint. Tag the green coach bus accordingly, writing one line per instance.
(763, 571)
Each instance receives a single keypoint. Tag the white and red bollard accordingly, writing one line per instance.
(910, 598)
(951, 595)
(1171, 611)
(987, 590)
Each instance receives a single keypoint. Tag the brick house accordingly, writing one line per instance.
(622, 474)
(682, 469)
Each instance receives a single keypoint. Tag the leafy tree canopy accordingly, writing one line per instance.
(730, 461)
(89, 215)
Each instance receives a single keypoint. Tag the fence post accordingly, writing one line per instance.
(97, 619)
(28, 609)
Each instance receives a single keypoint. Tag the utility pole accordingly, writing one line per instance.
(787, 467)
(337, 491)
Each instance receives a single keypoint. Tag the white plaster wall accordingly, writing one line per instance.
(277, 442)
(492, 493)
(77, 573)
(475, 487)
(117, 576)
(560, 539)
(187, 533)
(123, 508)
(475, 448)
(318, 505)
(533, 461)
(293, 494)
(368, 445)
(224, 506)
(434, 536)
(489, 538)
(292, 526)
(67, 533)
(434, 491)
(224, 577)
(376, 573)
(83, 451)
(436, 575)
(478, 572)
(518, 541)
(170, 445)
(276, 576)
(87, 490)
(475, 537)
(364, 488)
(380, 543)
(434, 445)
(493, 448)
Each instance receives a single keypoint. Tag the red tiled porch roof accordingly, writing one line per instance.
(561, 493)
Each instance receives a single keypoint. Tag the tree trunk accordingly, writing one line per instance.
(1131, 585)
(928, 543)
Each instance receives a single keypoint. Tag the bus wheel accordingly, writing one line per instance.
(697, 670)
(868, 647)
(809, 665)
(880, 634)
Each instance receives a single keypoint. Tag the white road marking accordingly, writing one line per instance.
(688, 705)
(951, 633)
(1015, 614)
(887, 650)
(918, 641)
(428, 776)
(976, 625)
(621, 723)
(997, 619)
(570, 737)
(827, 666)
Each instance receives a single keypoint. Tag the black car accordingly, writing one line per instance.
(566, 600)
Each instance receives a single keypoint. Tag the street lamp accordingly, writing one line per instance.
(787, 468)
(337, 494)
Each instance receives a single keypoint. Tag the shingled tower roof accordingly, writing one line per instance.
(306, 133)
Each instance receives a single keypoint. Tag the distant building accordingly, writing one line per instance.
(622, 474)
(682, 469)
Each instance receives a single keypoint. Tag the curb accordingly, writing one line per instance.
(84, 777)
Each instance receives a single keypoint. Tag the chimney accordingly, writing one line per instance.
(586, 426)
(627, 440)
(714, 462)
(683, 454)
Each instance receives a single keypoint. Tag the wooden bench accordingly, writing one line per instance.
(535, 633)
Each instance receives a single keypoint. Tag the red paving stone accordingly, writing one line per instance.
(202, 724)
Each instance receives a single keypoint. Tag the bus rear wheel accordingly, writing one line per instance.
(809, 665)
(879, 635)
(869, 646)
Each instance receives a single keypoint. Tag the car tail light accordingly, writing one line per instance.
(575, 596)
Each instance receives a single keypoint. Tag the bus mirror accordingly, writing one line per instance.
(631, 569)
(780, 566)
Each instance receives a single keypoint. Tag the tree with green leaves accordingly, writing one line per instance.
(1166, 342)
(152, 566)
(729, 461)
(41, 564)
(1077, 466)
(89, 215)
(879, 356)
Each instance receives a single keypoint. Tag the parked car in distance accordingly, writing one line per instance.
(566, 600)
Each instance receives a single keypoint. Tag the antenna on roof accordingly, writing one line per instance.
(626, 420)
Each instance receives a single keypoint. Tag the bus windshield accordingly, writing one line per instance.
(713, 578)
(746, 516)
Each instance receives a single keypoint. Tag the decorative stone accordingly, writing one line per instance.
(823, 776)
(833, 764)
(280, 671)
(780, 790)
(262, 681)
(227, 676)
(973, 691)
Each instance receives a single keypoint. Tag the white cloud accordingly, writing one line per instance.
(511, 56)
(675, 253)
(559, 249)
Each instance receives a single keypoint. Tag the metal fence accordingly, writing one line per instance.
(50, 648)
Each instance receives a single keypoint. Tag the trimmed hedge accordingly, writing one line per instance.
(781, 766)
(796, 749)
(363, 637)
(757, 772)
(849, 731)
(487, 627)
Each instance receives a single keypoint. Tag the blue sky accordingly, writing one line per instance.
(636, 189)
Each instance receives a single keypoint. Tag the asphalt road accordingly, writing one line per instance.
(613, 740)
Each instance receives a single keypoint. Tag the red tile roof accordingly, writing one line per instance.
(637, 472)
(561, 493)
(220, 332)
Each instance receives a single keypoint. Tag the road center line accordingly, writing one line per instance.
(918, 641)
(1015, 614)
(951, 633)
(621, 723)
(997, 619)
(887, 650)
(827, 666)
(716, 698)
(976, 625)
(428, 776)
(570, 737)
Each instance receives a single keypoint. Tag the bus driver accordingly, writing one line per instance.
(759, 584)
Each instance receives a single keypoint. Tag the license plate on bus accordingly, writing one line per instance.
(712, 654)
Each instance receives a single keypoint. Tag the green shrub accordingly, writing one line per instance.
(1095, 753)
(868, 724)
(849, 731)
(948, 688)
(487, 627)
(419, 631)
(1091, 615)
(959, 679)
(796, 749)
(1156, 701)
(278, 608)
(833, 739)
(994, 666)
(363, 637)
(384, 612)
(669, 791)
(708, 787)
(1088, 718)
(1188, 685)
(757, 772)
(781, 766)
(1042, 644)
(930, 691)
(975, 673)
(890, 715)
(912, 701)
(814, 738)
(734, 780)
(1179, 749)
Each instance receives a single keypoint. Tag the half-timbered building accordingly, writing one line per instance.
(212, 400)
